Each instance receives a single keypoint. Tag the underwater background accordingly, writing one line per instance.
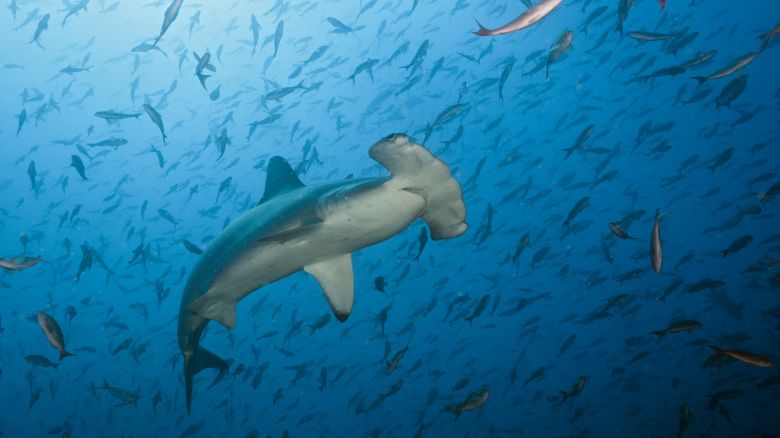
(122, 159)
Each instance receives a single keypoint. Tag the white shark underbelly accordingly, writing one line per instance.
(350, 222)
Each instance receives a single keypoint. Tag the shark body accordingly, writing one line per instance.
(314, 229)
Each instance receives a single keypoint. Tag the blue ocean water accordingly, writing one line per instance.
(115, 151)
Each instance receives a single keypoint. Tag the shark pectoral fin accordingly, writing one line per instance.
(337, 281)
(202, 360)
(421, 173)
(215, 308)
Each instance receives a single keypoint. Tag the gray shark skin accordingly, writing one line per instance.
(314, 229)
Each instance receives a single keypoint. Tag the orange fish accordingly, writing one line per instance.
(745, 357)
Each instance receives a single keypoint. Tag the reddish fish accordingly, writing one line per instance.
(663, 4)
(19, 263)
(533, 15)
(745, 357)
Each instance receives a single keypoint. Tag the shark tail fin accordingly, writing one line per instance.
(201, 360)
(423, 174)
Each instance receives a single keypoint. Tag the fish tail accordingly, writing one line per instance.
(718, 351)
(428, 132)
(765, 38)
(483, 31)
(64, 354)
(659, 333)
(700, 79)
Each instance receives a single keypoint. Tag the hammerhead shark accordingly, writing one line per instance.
(314, 229)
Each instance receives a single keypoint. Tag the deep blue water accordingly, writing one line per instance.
(562, 308)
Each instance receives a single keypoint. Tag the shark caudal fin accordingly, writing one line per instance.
(198, 362)
(421, 173)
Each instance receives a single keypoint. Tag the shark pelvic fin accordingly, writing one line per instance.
(281, 179)
(201, 360)
(417, 171)
(215, 308)
(337, 281)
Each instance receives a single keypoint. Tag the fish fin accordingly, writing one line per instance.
(659, 333)
(425, 175)
(483, 31)
(201, 360)
(281, 179)
(215, 308)
(337, 280)
(700, 79)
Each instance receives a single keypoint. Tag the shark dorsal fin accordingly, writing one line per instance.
(280, 180)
